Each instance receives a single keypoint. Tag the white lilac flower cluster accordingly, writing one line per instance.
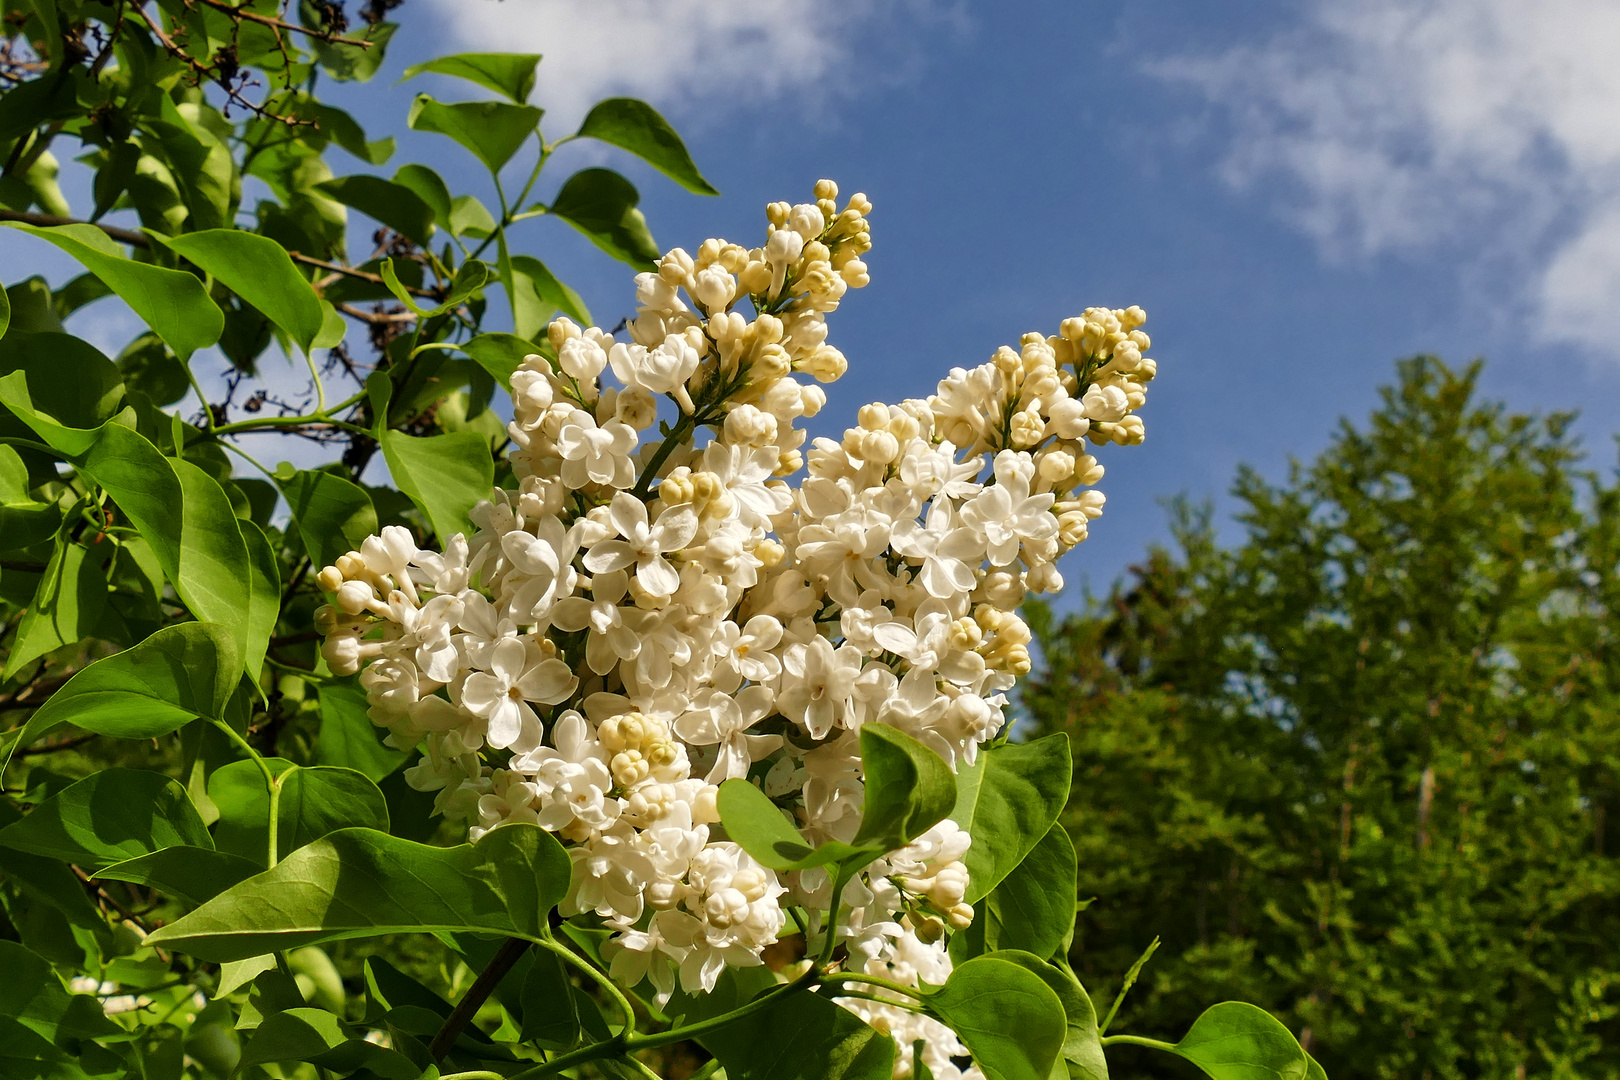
(649, 613)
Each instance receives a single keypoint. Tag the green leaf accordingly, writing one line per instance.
(108, 817)
(394, 205)
(31, 994)
(1082, 1048)
(468, 280)
(511, 74)
(82, 291)
(347, 736)
(173, 303)
(429, 187)
(27, 1055)
(67, 605)
(469, 217)
(1012, 793)
(500, 354)
(909, 787)
(492, 130)
(318, 1037)
(360, 883)
(1314, 1070)
(602, 204)
(314, 801)
(192, 874)
(351, 63)
(5, 312)
(636, 126)
(176, 675)
(1033, 907)
(537, 293)
(31, 307)
(1008, 1017)
(203, 550)
(802, 1036)
(149, 366)
(1238, 1041)
(445, 475)
(64, 378)
(334, 515)
(756, 824)
(344, 130)
(257, 269)
(550, 1011)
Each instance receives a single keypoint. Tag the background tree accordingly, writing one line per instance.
(1358, 768)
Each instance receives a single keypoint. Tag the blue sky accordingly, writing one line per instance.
(1298, 193)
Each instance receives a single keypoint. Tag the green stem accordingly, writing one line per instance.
(271, 782)
(874, 980)
(567, 956)
(1138, 1040)
(622, 1045)
(320, 387)
(1130, 980)
(270, 422)
(474, 1074)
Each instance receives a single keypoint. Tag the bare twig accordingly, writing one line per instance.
(279, 24)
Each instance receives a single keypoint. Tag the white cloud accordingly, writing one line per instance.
(687, 55)
(1403, 125)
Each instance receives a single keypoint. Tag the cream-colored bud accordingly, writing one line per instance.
(826, 189)
(329, 579)
(561, 329)
(777, 213)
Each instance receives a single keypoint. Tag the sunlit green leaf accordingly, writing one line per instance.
(313, 802)
(602, 204)
(192, 874)
(258, 270)
(492, 130)
(348, 737)
(537, 294)
(637, 127)
(1014, 793)
(31, 994)
(173, 303)
(1237, 1041)
(445, 475)
(908, 787)
(170, 679)
(361, 883)
(334, 515)
(511, 74)
(67, 605)
(500, 354)
(1006, 1015)
(394, 205)
(1033, 907)
(1082, 1051)
(110, 816)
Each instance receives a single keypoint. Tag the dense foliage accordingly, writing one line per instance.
(1358, 767)
(220, 854)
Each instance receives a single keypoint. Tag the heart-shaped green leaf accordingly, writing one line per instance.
(637, 127)
(511, 74)
(362, 883)
(1012, 794)
(492, 130)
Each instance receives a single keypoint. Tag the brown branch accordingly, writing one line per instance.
(141, 240)
(52, 748)
(279, 24)
(377, 318)
(511, 950)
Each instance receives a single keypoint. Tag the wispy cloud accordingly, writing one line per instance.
(683, 55)
(1410, 125)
